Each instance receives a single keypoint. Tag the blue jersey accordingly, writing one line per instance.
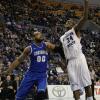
(38, 58)
(36, 73)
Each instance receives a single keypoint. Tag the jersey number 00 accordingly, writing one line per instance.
(41, 58)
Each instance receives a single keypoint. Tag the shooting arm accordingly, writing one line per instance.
(78, 26)
(15, 63)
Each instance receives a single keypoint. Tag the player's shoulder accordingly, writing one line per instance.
(70, 30)
(27, 49)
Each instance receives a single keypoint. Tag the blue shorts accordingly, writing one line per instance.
(28, 83)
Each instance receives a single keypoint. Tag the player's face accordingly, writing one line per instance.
(38, 36)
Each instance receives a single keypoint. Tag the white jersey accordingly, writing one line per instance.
(71, 44)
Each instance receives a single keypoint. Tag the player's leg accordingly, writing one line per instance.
(85, 78)
(88, 92)
(25, 87)
(73, 73)
(92, 86)
(76, 94)
(41, 91)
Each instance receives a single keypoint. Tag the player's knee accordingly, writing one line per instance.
(88, 91)
(41, 95)
(20, 97)
(77, 94)
(88, 87)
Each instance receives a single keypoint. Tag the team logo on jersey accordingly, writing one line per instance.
(39, 52)
(59, 91)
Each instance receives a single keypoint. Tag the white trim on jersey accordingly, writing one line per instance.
(31, 49)
(38, 46)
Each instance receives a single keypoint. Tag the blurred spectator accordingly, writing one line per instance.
(8, 89)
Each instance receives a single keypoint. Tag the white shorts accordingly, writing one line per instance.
(78, 72)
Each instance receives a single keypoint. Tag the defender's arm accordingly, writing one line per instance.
(55, 48)
(50, 45)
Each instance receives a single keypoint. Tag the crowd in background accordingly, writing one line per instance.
(19, 18)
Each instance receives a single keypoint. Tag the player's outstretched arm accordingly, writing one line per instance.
(15, 63)
(55, 48)
(78, 26)
(50, 46)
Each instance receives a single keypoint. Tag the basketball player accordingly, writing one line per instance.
(78, 72)
(38, 54)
